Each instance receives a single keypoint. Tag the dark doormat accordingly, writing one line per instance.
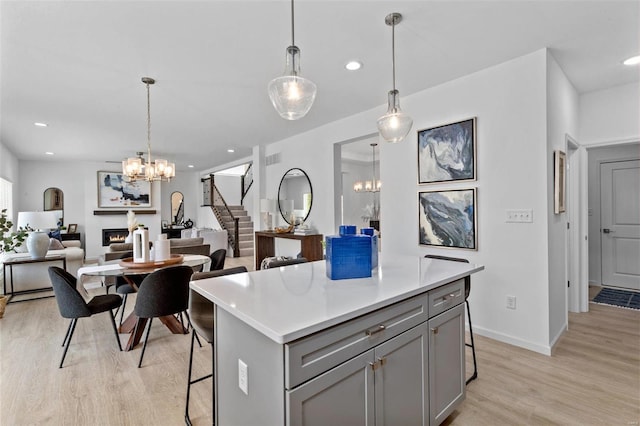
(615, 297)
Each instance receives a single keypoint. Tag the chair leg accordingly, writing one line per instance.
(66, 336)
(472, 346)
(124, 304)
(144, 346)
(115, 329)
(187, 420)
(191, 326)
(72, 327)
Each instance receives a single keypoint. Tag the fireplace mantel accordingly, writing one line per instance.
(123, 212)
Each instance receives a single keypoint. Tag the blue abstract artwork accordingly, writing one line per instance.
(448, 218)
(447, 153)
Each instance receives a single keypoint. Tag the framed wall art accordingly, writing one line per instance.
(559, 182)
(448, 218)
(447, 153)
(114, 191)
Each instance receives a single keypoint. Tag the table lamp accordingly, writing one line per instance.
(38, 223)
(266, 207)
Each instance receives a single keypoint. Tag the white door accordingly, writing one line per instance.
(620, 223)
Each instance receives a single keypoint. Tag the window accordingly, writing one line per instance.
(6, 197)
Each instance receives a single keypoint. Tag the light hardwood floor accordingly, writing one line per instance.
(593, 378)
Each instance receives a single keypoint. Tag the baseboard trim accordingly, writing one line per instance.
(505, 338)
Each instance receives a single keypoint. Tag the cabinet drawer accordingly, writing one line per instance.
(445, 297)
(313, 355)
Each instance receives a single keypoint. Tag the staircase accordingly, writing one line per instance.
(245, 227)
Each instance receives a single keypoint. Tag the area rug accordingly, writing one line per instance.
(621, 298)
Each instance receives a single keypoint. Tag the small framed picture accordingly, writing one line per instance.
(165, 224)
(448, 218)
(73, 228)
(559, 181)
(447, 153)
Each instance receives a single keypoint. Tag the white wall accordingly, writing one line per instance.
(354, 203)
(9, 170)
(189, 184)
(562, 119)
(510, 103)
(610, 115)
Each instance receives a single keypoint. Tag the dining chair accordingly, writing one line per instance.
(467, 290)
(122, 286)
(72, 305)
(162, 293)
(202, 322)
(277, 262)
(217, 259)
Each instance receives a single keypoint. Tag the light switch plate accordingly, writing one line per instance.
(243, 376)
(519, 215)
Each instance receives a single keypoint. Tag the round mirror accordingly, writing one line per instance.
(177, 207)
(54, 200)
(295, 196)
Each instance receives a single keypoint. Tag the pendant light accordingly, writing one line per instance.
(395, 124)
(136, 168)
(291, 94)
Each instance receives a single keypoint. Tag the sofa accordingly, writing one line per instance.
(177, 246)
(216, 238)
(31, 276)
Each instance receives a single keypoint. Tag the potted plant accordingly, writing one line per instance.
(9, 240)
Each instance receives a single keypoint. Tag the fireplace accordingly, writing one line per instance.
(114, 235)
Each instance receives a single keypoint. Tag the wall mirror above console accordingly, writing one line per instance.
(295, 196)
(177, 207)
(54, 200)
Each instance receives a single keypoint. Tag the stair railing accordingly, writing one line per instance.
(220, 208)
(246, 182)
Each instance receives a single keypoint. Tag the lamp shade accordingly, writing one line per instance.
(395, 124)
(291, 94)
(38, 220)
(267, 205)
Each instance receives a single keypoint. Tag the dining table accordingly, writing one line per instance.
(133, 275)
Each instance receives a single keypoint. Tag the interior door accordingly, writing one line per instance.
(620, 223)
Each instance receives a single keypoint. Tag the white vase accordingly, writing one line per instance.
(38, 244)
(129, 238)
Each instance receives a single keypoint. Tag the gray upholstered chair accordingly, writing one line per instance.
(217, 259)
(162, 293)
(72, 305)
(202, 321)
(467, 290)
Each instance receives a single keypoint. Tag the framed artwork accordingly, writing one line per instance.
(73, 228)
(559, 182)
(448, 218)
(447, 153)
(114, 191)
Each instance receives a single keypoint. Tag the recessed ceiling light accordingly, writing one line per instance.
(40, 124)
(49, 153)
(353, 65)
(634, 60)
(190, 166)
(231, 150)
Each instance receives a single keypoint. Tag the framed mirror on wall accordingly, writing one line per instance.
(177, 208)
(295, 196)
(54, 200)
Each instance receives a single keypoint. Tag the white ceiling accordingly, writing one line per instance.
(76, 65)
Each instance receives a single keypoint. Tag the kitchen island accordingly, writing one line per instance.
(294, 347)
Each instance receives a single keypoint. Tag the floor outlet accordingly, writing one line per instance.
(243, 377)
(511, 302)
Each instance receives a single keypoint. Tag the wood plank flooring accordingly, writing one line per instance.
(593, 377)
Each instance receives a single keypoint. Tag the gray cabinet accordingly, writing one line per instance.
(446, 363)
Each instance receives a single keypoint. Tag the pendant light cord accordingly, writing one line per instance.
(148, 125)
(293, 37)
(393, 52)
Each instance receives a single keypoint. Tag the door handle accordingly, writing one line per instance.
(607, 231)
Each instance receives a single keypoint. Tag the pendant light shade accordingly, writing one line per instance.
(291, 94)
(394, 125)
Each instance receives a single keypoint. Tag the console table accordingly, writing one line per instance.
(310, 245)
(26, 260)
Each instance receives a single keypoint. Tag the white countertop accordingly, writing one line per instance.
(291, 302)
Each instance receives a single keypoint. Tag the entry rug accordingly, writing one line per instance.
(615, 297)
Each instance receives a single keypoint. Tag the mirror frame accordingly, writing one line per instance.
(48, 208)
(310, 190)
(171, 202)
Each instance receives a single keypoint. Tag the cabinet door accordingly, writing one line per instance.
(341, 396)
(446, 363)
(401, 378)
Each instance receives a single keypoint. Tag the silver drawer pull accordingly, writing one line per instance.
(376, 330)
(434, 330)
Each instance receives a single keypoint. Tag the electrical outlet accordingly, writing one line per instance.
(520, 215)
(511, 302)
(243, 377)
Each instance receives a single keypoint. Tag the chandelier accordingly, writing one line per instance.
(395, 124)
(291, 94)
(136, 168)
(372, 185)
